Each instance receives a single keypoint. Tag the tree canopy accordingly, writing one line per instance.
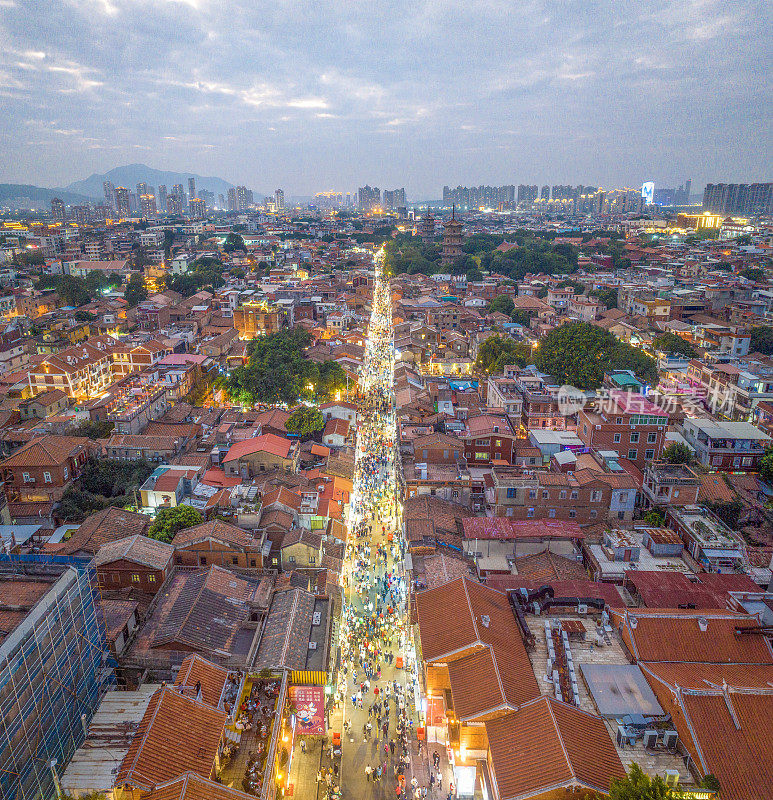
(135, 291)
(580, 354)
(766, 466)
(637, 785)
(498, 351)
(671, 343)
(170, 520)
(305, 421)
(278, 371)
(607, 296)
(677, 453)
(762, 339)
(502, 303)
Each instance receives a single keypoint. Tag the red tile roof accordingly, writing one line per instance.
(163, 747)
(190, 786)
(546, 745)
(503, 528)
(267, 442)
(213, 678)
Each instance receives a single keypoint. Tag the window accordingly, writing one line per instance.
(617, 437)
(312, 559)
(25, 476)
(47, 477)
(593, 513)
(424, 455)
(633, 454)
(509, 512)
(202, 559)
(511, 493)
(552, 513)
(635, 437)
(585, 429)
(497, 442)
(532, 494)
(234, 560)
(291, 559)
(65, 473)
(575, 495)
(530, 512)
(572, 513)
(545, 494)
(135, 578)
(116, 577)
(445, 454)
(623, 497)
(649, 454)
(652, 438)
(618, 421)
(455, 494)
(151, 578)
(562, 494)
(253, 563)
(595, 496)
(481, 456)
(456, 454)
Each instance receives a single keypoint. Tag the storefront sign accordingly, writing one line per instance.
(309, 703)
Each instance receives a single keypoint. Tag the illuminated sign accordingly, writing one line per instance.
(309, 702)
(648, 192)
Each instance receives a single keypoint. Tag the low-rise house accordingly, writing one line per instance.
(45, 404)
(707, 539)
(130, 447)
(301, 548)
(260, 454)
(336, 432)
(105, 526)
(670, 484)
(135, 562)
(219, 543)
(725, 445)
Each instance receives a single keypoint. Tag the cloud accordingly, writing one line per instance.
(399, 93)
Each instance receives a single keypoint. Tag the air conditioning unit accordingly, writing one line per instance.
(316, 618)
(622, 736)
(650, 739)
(670, 739)
(312, 645)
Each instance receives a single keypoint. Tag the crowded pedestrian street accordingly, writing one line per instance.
(376, 686)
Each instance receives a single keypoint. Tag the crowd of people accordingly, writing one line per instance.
(374, 629)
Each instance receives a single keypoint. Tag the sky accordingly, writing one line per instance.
(319, 95)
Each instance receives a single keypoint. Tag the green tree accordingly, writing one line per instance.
(234, 242)
(305, 421)
(671, 343)
(73, 290)
(170, 520)
(607, 296)
(135, 291)
(753, 273)
(498, 351)
(729, 511)
(637, 785)
(580, 354)
(711, 782)
(677, 453)
(654, 518)
(503, 303)
(766, 466)
(762, 339)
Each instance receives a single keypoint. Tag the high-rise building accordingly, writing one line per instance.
(279, 199)
(109, 190)
(57, 209)
(162, 197)
(452, 240)
(174, 205)
(80, 215)
(178, 190)
(208, 197)
(233, 201)
(148, 206)
(244, 198)
(561, 192)
(527, 194)
(121, 202)
(369, 198)
(197, 208)
(394, 198)
(221, 202)
(545, 193)
(738, 198)
(191, 189)
(479, 196)
(142, 188)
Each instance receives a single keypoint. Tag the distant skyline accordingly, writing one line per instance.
(332, 95)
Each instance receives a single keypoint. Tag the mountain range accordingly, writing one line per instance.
(132, 174)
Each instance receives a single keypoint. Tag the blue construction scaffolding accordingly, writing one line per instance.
(55, 667)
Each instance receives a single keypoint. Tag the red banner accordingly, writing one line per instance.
(309, 704)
